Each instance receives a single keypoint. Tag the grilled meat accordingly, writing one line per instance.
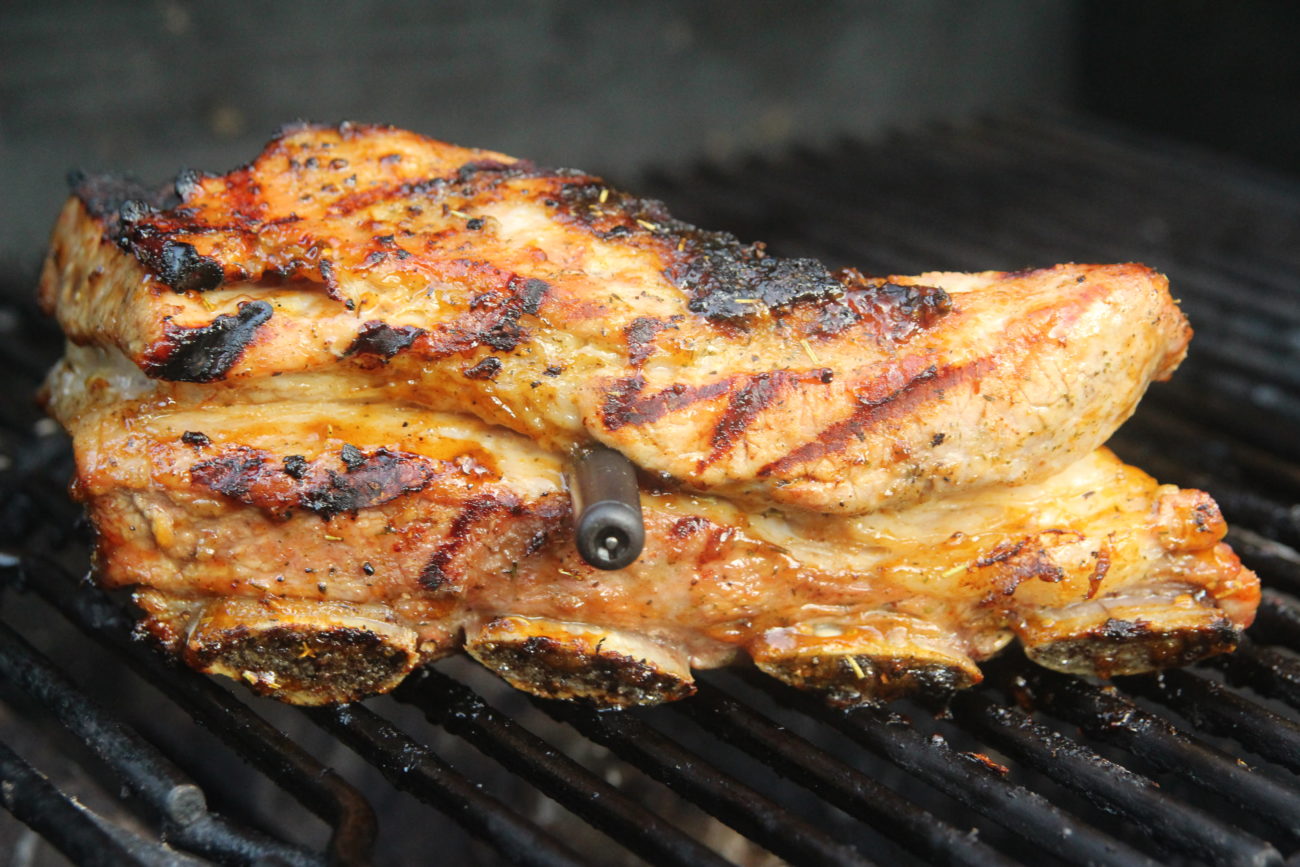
(320, 545)
(549, 304)
(320, 406)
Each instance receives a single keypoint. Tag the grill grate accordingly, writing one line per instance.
(1194, 766)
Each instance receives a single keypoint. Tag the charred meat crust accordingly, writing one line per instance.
(366, 479)
(895, 311)
(205, 353)
(380, 338)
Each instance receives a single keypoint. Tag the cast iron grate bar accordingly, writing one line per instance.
(413, 767)
(1110, 718)
(317, 787)
(461, 711)
(1211, 707)
(36, 802)
(1267, 670)
(966, 779)
(738, 805)
(1174, 826)
(177, 802)
(849, 789)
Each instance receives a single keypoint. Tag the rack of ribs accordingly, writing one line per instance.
(322, 408)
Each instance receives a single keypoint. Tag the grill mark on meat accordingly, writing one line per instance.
(255, 477)
(927, 385)
(624, 405)
(205, 353)
(748, 401)
(380, 338)
(435, 574)
(640, 335)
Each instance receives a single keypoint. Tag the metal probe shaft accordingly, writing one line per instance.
(607, 522)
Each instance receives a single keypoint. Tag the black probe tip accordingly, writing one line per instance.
(608, 528)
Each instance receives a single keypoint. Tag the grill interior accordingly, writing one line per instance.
(113, 755)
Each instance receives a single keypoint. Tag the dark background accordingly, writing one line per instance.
(150, 87)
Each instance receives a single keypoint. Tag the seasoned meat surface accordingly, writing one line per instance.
(321, 407)
(550, 304)
(312, 519)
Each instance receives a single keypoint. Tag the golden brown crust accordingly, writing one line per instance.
(549, 303)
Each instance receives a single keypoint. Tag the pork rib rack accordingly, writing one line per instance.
(321, 406)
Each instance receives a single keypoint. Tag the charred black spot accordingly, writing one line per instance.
(181, 267)
(533, 293)
(937, 439)
(893, 310)
(724, 277)
(295, 466)
(207, 352)
(196, 439)
(104, 196)
(553, 370)
(640, 336)
(233, 473)
(1123, 630)
(381, 476)
(487, 368)
(250, 476)
(352, 457)
(522, 296)
(474, 224)
(380, 338)
(493, 171)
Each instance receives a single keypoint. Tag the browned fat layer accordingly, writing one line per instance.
(366, 479)
(926, 385)
(749, 400)
(625, 406)
(205, 353)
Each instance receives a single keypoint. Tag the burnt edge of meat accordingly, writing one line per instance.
(256, 478)
(720, 275)
(106, 195)
(205, 353)
(894, 310)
